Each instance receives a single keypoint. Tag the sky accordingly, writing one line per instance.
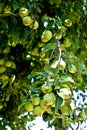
(40, 124)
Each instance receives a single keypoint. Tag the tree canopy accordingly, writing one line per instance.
(43, 60)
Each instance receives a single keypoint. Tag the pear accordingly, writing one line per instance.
(23, 12)
(49, 98)
(65, 93)
(46, 36)
(67, 43)
(35, 100)
(27, 20)
(38, 110)
(72, 68)
(29, 107)
(34, 25)
(62, 64)
(46, 89)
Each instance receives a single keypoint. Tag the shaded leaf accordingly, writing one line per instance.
(59, 101)
(48, 46)
(22, 104)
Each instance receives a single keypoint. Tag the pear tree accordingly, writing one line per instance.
(43, 61)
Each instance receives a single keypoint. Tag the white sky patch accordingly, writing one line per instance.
(39, 124)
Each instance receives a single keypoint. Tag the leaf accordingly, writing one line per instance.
(59, 23)
(7, 9)
(38, 9)
(80, 67)
(49, 70)
(59, 101)
(15, 5)
(4, 83)
(67, 78)
(22, 104)
(37, 75)
(66, 108)
(13, 65)
(3, 21)
(48, 46)
(12, 79)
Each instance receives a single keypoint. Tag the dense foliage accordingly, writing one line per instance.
(43, 60)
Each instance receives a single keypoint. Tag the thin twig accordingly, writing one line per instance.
(59, 50)
(52, 53)
(78, 127)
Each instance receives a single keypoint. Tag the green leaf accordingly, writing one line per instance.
(66, 108)
(15, 5)
(59, 23)
(7, 9)
(12, 79)
(38, 9)
(4, 83)
(59, 101)
(48, 46)
(66, 78)
(22, 104)
(13, 65)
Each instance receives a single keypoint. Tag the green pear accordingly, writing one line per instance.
(23, 12)
(38, 110)
(62, 64)
(43, 104)
(49, 98)
(46, 36)
(67, 43)
(46, 89)
(29, 107)
(72, 68)
(68, 22)
(27, 20)
(35, 100)
(65, 93)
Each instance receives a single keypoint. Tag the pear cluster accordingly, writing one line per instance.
(27, 19)
(39, 105)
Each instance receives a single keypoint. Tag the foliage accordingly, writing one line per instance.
(42, 43)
